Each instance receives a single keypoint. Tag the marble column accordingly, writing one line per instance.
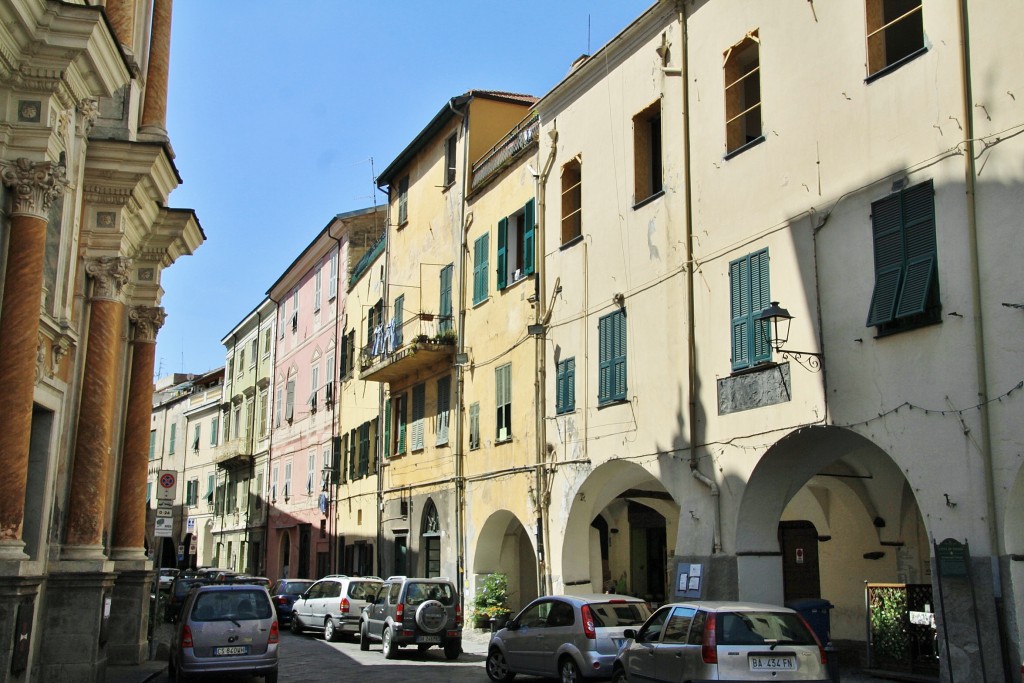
(122, 18)
(154, 111)
(89, 494)
(35, 187)
(130, 520)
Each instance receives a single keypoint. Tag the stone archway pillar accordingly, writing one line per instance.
(130, 519)
(36, 186)
(154, 111)
(89, 494)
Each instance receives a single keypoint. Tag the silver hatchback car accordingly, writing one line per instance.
(226, 628)
(569, 636)
(722, 641)
(334, 605)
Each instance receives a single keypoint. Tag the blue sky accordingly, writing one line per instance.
(275, 114)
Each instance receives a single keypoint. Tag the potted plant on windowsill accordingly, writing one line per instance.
(491, 602)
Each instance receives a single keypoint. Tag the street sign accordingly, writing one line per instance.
(167, 485)
(164, 512)
(193, 545)
(164, 527)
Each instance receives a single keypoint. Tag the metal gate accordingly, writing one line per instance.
(901, 628)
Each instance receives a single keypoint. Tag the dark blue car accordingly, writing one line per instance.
(283, 595)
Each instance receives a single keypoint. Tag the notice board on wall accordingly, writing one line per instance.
(690, 580)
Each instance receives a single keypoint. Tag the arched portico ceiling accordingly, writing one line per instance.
(822, 452)
(608, 482)
(491, 537)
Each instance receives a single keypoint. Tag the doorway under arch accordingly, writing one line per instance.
(504, 546)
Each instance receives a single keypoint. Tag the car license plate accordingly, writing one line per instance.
(770, 663)
(428, 639)
(227, 651)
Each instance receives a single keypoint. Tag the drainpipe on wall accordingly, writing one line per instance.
(716, 544)
(542, 314)
(460, 347)
(332, 517)
(272, 391)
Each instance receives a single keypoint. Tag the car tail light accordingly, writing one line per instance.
(400, 611)
(275, 633)
(458, 615)
(709, 647)
(186, 637)
(344, 606)
(280, 600)
(821, 650)
(588, 623)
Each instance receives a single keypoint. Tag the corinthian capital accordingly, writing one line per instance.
(110, 274)
(148, 321)
(36, 185)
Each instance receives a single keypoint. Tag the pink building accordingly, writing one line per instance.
(311, 320)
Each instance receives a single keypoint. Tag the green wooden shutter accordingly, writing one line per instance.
(444, 323)
(364, 449)
(618, 388)
(886, 222)
(604, 366)
(502, 251)
(480, 249)
(444, 390)
(402, 417)
(560, 388)
(739, 309)
(919, 247)
(419, 403)
(397, 317)
(565, 399)
(387, 428)
(529, 239)
(759, 300)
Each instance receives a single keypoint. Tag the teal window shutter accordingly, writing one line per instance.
(749, 294)
(480, 254)
(759, 300)
(364, 449)
(444, 324)
(401, 409)
(444, 391)
(529, 238)
(611, 332)
(387, 429)
(419, 409)
(397, 317)
(565, 389)
(502, 252)
(906, 260)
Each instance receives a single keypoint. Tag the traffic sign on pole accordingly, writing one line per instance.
(167, 485)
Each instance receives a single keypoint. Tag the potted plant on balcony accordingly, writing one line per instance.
(446, 337)
(491, 602)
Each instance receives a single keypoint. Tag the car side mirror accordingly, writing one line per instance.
(629, 633)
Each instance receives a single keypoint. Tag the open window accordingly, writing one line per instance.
(516, 238)
(572, 200)
(895, 32)
(743, 93)
(647, 153)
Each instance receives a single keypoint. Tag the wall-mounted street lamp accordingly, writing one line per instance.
(778, 319)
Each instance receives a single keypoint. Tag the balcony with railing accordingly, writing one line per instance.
(234, 452)
(521, 139)
(401, 350)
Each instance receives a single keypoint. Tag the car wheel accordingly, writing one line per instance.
(619, 676)
(270, 677)
(452, 649)
(497, 667)
(388, 641)
(364, 638)
(330, 632)
(568, 671)
(296, 624)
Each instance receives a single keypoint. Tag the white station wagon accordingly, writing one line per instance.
(722, 641)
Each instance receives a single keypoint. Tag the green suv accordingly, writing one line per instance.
(413, 611)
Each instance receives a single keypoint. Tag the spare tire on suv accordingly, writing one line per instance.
(431, 616)
(424, 612)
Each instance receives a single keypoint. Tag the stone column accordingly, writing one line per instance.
(154, 111)
(130, 520)
(35, 187)
(87, 505)
(122, 17)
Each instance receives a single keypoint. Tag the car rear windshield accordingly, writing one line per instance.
(182, 586)
(362, 590)
(295, 587)
(619, 613)
(421, 592)
(231, 606)
(761, 628)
